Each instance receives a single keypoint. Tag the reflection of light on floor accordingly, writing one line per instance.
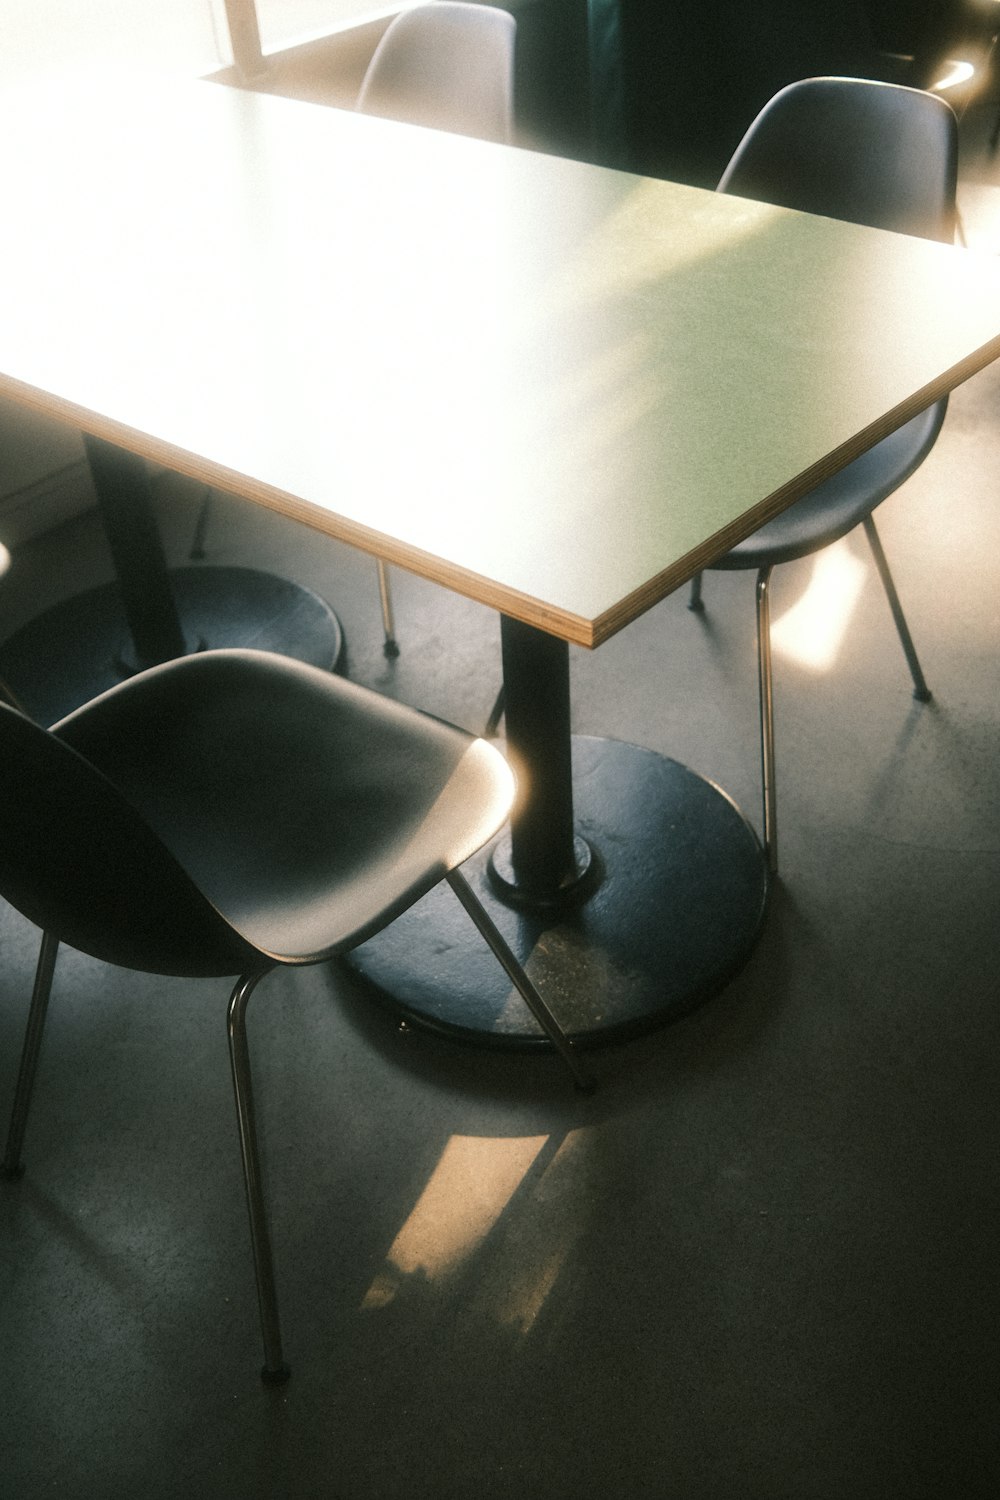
(811, 631)
(956, 72)
(979, 205)
(468, 1190)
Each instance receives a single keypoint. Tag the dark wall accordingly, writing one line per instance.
(667, 87)
(697, 71)
(925, 28)
(553, 75)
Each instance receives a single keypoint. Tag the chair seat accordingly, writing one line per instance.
(842, 502)
(307, 810)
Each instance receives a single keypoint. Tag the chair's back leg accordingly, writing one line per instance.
(197, 551)
(765, 679)
(275, 1369)
(391, 645)
(920, 689)
(12, 1166)
(695, 601)
(7, 695)
(515, 972)
(496, 714)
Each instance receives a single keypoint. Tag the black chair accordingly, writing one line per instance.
(446, 65)
(7, 694)
(876, 154)
(227, 813)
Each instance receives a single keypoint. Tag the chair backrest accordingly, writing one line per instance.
(447, 65)
(872, 153)
(78, 861)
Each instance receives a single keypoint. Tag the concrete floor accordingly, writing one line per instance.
(760, 1261)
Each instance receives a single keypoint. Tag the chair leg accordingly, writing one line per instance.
(920, 689)
(275, 1370)
(496, 714)
(391, 646)
(515, 972)
(765, 680)
(197, 551)
(12, 1165)
(8, 696)
(695, 600)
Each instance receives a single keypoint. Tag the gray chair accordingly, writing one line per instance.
(876, 154)
(449, 66)
(227, 813)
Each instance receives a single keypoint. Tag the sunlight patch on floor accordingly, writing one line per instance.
(812, 630)
(474, 1180)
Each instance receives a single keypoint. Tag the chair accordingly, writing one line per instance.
(450, 66)
(876, 154)
(6, 693)
(227, 813)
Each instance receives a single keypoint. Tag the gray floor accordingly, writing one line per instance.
(760, 1262)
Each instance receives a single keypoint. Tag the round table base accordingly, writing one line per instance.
(674, 915)
(79, 648)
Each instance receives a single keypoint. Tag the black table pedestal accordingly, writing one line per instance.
(91, 641)
(632, 889)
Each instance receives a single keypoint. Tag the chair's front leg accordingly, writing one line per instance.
(391, 645)
(12, 1166)
(275, 1369)
(765, 679)
(515, 972)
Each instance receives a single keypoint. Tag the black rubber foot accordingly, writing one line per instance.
(923, 696)
(391, 649)
(275, 1377)
(696, 606)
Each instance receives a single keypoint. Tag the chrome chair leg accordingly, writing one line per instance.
(920, 689)
(695, 600)
(765, 679)
(275, 1370)
(391, 646)
(12, 1165)
(515, 972)
(197, 551)
(496, 714)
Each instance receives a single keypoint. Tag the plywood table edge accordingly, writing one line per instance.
(577, 629)
(604, 626)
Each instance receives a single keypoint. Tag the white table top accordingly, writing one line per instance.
(556, 388)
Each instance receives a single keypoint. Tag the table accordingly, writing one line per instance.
(557, 389)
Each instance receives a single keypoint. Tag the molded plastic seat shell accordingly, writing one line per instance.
(842, 502)
(232, 809)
